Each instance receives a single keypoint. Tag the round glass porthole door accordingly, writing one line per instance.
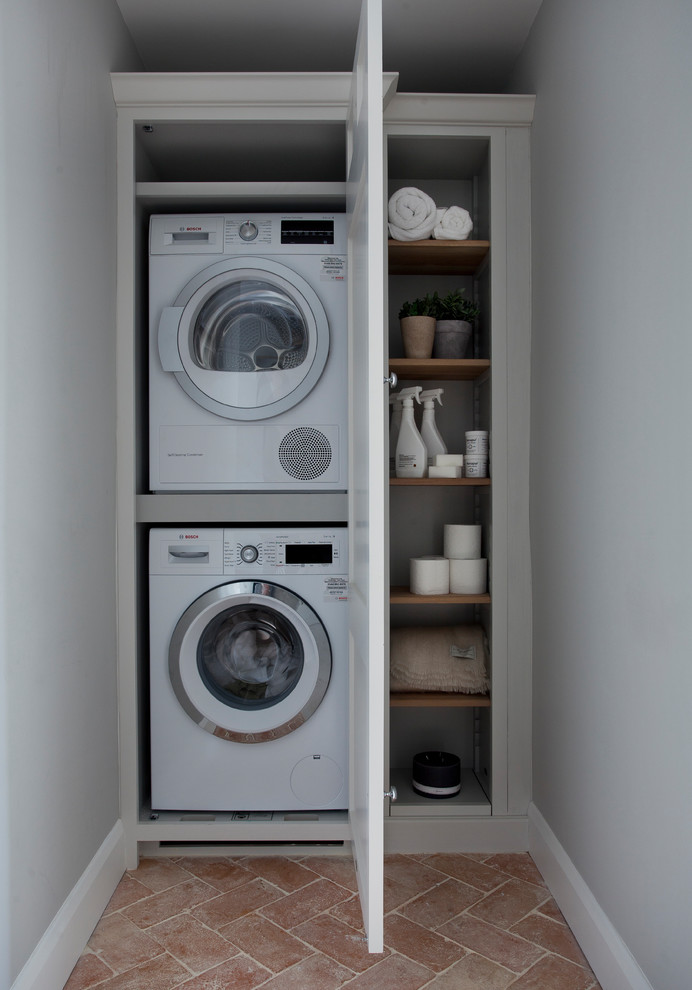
(249, 661)
(253, 339)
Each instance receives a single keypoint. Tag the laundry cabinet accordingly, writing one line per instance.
(473, 152)
(342, 144)
(221, 147)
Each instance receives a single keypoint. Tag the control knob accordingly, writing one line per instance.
(249, 554)
(248, 230)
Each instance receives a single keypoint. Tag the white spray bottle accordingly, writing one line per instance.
(411, 455)
(395, 402)
(429, 432)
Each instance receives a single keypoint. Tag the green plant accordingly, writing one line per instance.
(418, 307)
(454, 306)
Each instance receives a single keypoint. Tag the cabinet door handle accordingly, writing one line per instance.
(393, 380)
(391, 794)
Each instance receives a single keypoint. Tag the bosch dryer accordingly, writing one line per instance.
(247, 352)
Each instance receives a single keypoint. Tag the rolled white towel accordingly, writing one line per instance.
(412, 214)
(453, 224)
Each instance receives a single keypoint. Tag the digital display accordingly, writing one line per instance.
(308, 553)
(307, 231)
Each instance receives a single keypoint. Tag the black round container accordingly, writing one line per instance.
(436, 774)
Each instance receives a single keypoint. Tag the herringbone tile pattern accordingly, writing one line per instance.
(452, 922)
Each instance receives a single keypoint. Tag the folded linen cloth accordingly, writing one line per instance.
(439, 658)
(453, 223)
(412, 214)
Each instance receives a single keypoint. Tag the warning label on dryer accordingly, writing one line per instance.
(332, 268)
(335, 589)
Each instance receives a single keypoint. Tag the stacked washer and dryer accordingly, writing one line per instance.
(248, 625)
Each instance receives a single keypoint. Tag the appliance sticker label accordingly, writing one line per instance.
(332, 269)
(335, 589)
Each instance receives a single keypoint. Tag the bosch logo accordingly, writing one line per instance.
(190, 228)
(188, 536)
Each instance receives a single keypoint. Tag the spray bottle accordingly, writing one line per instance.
(411, 455)
(395, 402)
(429, 432)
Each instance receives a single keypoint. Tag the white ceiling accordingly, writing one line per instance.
(434, 45)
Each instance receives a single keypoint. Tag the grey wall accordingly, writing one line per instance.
(611, 471)
(58, 723)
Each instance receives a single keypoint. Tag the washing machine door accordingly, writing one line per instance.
(247, 338)
(249, 661)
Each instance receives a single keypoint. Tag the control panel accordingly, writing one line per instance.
(305, 551)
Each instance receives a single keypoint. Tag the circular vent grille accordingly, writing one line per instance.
(305, 453)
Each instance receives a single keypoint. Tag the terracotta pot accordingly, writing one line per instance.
(418, 333)
(451, 338)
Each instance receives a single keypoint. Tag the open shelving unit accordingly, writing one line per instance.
(453, 714)
(479, 161)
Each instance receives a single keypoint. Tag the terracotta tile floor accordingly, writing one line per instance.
(452, 922)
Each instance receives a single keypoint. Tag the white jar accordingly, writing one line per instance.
(476, 466)
(477, 442)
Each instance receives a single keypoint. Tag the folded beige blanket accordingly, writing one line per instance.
(438, 658)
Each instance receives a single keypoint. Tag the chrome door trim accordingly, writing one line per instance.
(235, 593)
(300, 289)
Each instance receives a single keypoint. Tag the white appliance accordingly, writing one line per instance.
(247, 352)
(248, 669)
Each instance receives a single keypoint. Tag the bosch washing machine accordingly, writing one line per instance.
(247, 352)
(249, 669)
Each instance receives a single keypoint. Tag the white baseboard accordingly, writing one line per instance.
(484, 834)
(609, 957)
(54, 958)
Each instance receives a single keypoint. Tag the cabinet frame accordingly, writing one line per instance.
(504, 122)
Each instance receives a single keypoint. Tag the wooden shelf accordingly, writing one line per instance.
(432, 257)
(439, 369)
(404, 596)
(464, 482)
(437, 699)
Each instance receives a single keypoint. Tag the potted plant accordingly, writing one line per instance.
(418, 321)
(454, 314)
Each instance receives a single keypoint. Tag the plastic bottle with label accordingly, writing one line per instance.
(411, 453)
(395, 402)
(429, 432)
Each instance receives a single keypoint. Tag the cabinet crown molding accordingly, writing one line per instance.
(252, 89)
(504, 110)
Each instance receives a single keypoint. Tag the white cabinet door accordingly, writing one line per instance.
(367, 406)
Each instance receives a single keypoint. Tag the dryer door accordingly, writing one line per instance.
(246, 339)
(249, 661)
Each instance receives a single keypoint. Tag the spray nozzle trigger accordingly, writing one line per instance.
(408, 394)
(431, 395)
